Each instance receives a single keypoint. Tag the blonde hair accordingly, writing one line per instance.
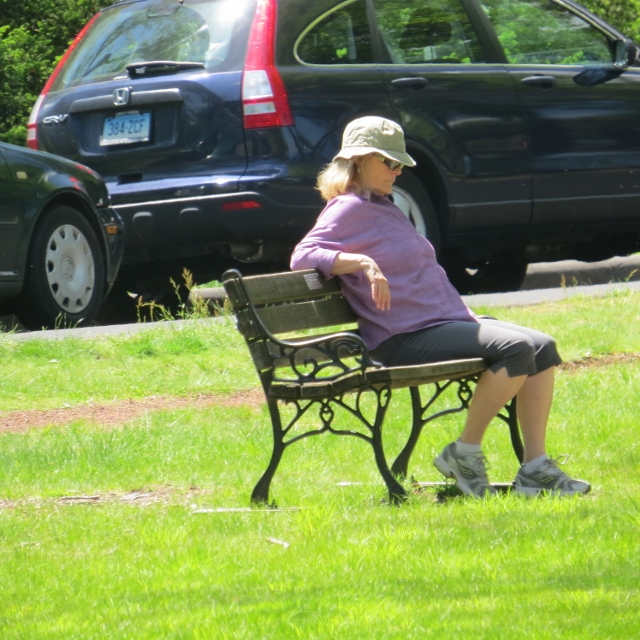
(343, 176)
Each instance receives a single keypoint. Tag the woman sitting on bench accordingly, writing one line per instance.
(409, 313)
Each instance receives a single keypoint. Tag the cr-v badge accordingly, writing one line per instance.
(61, 119)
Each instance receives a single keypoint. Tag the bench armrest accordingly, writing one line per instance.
(326, 357)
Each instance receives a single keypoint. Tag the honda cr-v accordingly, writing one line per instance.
(209, 120)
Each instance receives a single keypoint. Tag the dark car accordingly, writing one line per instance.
(209, 120)
(60, 241)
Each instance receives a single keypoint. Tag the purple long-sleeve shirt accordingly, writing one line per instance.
(421, 294)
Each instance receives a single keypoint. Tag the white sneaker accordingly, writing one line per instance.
(548, 477)
(469, 471)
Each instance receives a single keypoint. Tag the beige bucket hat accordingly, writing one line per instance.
(372, 134)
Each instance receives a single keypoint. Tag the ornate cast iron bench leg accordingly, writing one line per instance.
(397, 492)
(401, 464)
(510, 415)
(420, 419)
(260, 493)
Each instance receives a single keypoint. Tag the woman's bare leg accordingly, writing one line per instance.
(492, 392)
(534, 405)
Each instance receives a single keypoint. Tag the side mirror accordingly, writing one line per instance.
(626, 53)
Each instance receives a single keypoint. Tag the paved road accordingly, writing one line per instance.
(544, 281)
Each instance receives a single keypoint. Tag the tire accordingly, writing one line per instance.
(501, 272)
(412, 198)
(65, 275)
(498, 273)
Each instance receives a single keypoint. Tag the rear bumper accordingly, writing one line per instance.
(196, 225)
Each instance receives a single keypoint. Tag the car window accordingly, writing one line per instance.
(200, 31)
(432, 31)
(542, 32)
(341, 36)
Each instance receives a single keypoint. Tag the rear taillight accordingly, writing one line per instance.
(32, 124)
(264, 98)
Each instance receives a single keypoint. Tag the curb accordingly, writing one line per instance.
(613, 274)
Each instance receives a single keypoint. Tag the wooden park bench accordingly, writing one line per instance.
(315, 375)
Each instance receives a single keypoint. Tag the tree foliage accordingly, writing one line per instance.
(25, 61)
(35, 34)
(624, 15)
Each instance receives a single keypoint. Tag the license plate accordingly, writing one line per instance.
(126, 128)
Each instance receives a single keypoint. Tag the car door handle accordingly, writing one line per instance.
(410, 83)
(544, 82)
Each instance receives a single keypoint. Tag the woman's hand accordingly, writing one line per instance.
(352, 262)
(380, 291)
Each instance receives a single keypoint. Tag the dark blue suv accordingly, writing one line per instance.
(209, 120)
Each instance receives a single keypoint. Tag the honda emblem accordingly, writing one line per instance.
(121, 96)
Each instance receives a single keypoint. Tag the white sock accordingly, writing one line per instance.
(532, 465)
(464, 449)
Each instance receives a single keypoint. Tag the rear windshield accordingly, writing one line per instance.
(211, 32)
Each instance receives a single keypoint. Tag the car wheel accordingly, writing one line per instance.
(64, 277)
(501, 272)
(495, 274)
(414, 201)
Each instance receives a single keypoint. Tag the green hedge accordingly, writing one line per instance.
(33, 36)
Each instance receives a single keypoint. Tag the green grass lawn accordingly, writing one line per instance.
(141, 529)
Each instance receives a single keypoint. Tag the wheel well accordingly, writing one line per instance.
(81, 205)
(429, 176)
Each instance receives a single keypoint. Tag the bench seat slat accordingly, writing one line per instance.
(398, 377)
(317, 389)
(417, 375)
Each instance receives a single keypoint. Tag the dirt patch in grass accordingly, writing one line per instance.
(140, 497)
(117, 413)
(592, 362)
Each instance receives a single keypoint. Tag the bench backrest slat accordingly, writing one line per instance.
(290, 302)
(306, 315)
(297, 285)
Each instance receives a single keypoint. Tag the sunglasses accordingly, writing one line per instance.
(392, 164)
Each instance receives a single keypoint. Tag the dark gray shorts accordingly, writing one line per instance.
(521, 350)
